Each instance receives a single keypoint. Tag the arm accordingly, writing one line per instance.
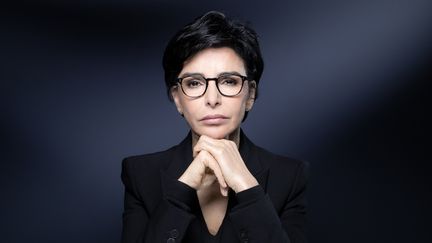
(255, 217)
(171, 217)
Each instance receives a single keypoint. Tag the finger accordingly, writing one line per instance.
(215, 143)
(213, 148)
(204, 144)
(224, 191)
(218, 173)
(205, 140)
(210, 162)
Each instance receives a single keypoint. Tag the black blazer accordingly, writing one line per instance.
(159, 208)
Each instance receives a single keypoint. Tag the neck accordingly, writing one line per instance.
(234, 136)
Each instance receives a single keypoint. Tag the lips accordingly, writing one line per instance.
(214, 120)
(216, 116)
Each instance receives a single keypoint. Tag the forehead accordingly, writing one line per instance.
(213, 61)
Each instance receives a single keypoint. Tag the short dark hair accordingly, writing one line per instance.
(212, 30)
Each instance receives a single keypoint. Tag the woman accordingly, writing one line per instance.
(216, 185)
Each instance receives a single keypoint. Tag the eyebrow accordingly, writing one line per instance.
(219, 74)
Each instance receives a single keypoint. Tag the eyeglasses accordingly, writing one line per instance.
(196, 85)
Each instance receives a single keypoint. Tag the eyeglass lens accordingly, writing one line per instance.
(228, 85)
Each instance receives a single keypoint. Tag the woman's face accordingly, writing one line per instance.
(211, 63)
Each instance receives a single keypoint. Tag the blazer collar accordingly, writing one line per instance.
(182, 157)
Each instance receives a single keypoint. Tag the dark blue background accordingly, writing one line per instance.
(346, 86)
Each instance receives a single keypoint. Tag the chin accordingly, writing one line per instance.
(216, 132)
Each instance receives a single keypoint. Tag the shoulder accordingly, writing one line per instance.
(287, 178)
(283, 167)
(274, 160)
(148, 162)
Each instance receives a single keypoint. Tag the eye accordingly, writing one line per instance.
(193, 83)
(230, 81)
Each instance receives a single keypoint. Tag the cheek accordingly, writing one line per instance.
(190, 109)
(239, 108)
(190, 105)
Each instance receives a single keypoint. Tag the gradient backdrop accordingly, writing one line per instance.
(346, 86)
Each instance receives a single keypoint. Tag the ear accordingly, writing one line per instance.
(175, 94)
(251, 99)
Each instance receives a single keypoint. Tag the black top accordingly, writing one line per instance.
(160, 208)
(233, 199)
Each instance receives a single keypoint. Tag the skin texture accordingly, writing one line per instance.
(215, 147)
(217, 164)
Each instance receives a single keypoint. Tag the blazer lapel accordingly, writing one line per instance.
(182, 157)
(249, 154)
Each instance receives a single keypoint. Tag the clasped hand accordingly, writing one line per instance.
(218, 159)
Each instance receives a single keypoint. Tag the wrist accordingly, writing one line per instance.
(185, 180)
(246, 184)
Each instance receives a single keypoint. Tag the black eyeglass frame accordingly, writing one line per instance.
(243, 78)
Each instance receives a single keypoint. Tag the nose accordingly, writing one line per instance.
(212, 95)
